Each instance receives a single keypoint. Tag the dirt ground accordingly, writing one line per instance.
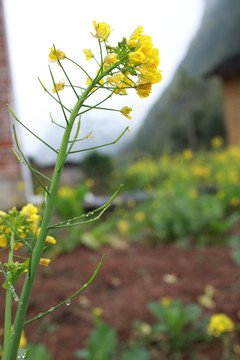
(126, 282)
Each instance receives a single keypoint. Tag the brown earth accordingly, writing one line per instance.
(126, 282)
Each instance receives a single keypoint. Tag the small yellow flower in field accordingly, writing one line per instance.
(193, 194)
(165, 301)
(217, 142)
(123, 226)
(88, 53)
(126, 111)
(140, 216)
(188, 154)
(235, 201)
(219, 324)
(44, 262)
(3, 240)
(50, 240)
(102, 31)
(66, 192)
(89, 182)
(59, 86)
(54, 55)
(97, 312)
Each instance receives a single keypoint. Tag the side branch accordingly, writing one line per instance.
(67, 301)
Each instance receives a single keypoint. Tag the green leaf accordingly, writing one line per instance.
(102, 342)
(38, 352)
(135, 354)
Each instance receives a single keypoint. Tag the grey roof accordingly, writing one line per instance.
(227, 68)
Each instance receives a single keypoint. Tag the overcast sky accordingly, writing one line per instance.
(34, 26)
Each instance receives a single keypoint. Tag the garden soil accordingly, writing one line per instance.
(128, 279)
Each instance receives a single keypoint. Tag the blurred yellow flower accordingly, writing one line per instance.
(188, 154)
(217, 142)
(193, 194)
(165, 301)
(219, 324)
(66, 192)
(235, 201)
(97, 311)
(89, 182)
(123, 226)
(140, 216)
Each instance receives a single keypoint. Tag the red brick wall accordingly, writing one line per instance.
(9, 166)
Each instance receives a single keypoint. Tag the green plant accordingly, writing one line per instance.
(131, 64)
(179, 328)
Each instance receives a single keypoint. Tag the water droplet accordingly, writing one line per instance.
(68, 223)
(68, 302)
(87, 215)
(51, 309)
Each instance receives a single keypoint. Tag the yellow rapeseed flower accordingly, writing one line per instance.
(88, 53)
(235, 201)
(165, 301)
(29, 210)
(59, 86)
(126, 111)
(50, 240)
(123, 226)
(110, 59)
(66, 192)
(217, 142)
(188, 154)
(102, 31)
(97, 311)
(44, 262)
(54, 55)
(3, 240)
(140, 216)
(219, 324)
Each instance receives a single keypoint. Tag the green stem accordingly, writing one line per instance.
(38, 249)
(8, 306)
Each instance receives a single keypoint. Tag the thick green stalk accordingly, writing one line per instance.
(37, 251)
(8, 304)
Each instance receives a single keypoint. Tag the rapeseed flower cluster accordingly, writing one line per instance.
(220, 324)
(24, 225)
(132, 64)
